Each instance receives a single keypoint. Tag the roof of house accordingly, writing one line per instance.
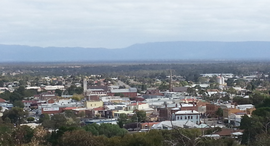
(153, 92)
(169, 124)
(187, 112)
(133, 104)
(99, 109)
(69, 108)
(180, 89)
(2, 100)
(227, 132)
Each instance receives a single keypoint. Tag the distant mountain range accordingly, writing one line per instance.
(181, 50)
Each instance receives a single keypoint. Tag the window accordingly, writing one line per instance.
(185, 117)
(177, 117)
(197, 117)
(188, 117)
(181, 117)
(191, 117)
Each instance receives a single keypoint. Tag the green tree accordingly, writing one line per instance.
(139, 116)
(16, 115)
(23, 135)
(55, 122)
(15, 97)
(219, 112)
(77, 97)
(122, 120)
(43, 118)
(251, 126)
(58, 92)
(18, 103)
(108, 130)
(78, 137)
(30, 119)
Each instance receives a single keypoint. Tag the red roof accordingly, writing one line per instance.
(29, 101)
(69, 108)
(2, 100)
(99, 109)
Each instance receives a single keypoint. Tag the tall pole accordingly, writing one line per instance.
(170, 84)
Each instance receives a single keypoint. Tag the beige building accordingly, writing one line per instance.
(93, 104)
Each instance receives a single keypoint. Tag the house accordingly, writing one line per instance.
(131, 92)
(118, 113)
(148, 125)
(27, 103)
(2, 100)
(155, 93)
(137, 106)
(190, 115)
(211, 109)
(179, 89)
(93, 104)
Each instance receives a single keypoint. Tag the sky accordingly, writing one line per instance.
(121, 23)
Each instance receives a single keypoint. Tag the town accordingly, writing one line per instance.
(215, 105)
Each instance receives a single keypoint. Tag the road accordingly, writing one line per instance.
(120, 83)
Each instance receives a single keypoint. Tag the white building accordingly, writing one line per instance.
(243, 107)
(220, 80)
(170, 124)
(49, 88)
(190, 115)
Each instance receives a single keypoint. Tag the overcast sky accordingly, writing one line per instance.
(121, 23)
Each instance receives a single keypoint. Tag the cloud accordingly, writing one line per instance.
(120, 23)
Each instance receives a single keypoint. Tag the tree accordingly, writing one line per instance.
(44, 117)
(56, 135)
(18, 103)
(77, 97)
(122, 120)
(140, 116)
(219, 112)
(1, 83)
(15, 96)
(23, 135)
(16, 115)
(78, 137)
(30, 119)
(251, 126)
(107, 130)
(39, 137)
(55, 122)
(58, 92)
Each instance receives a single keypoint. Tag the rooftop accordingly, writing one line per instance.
(187, 112)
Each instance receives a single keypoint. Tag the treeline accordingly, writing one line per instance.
(104, 135)
(190, 71)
